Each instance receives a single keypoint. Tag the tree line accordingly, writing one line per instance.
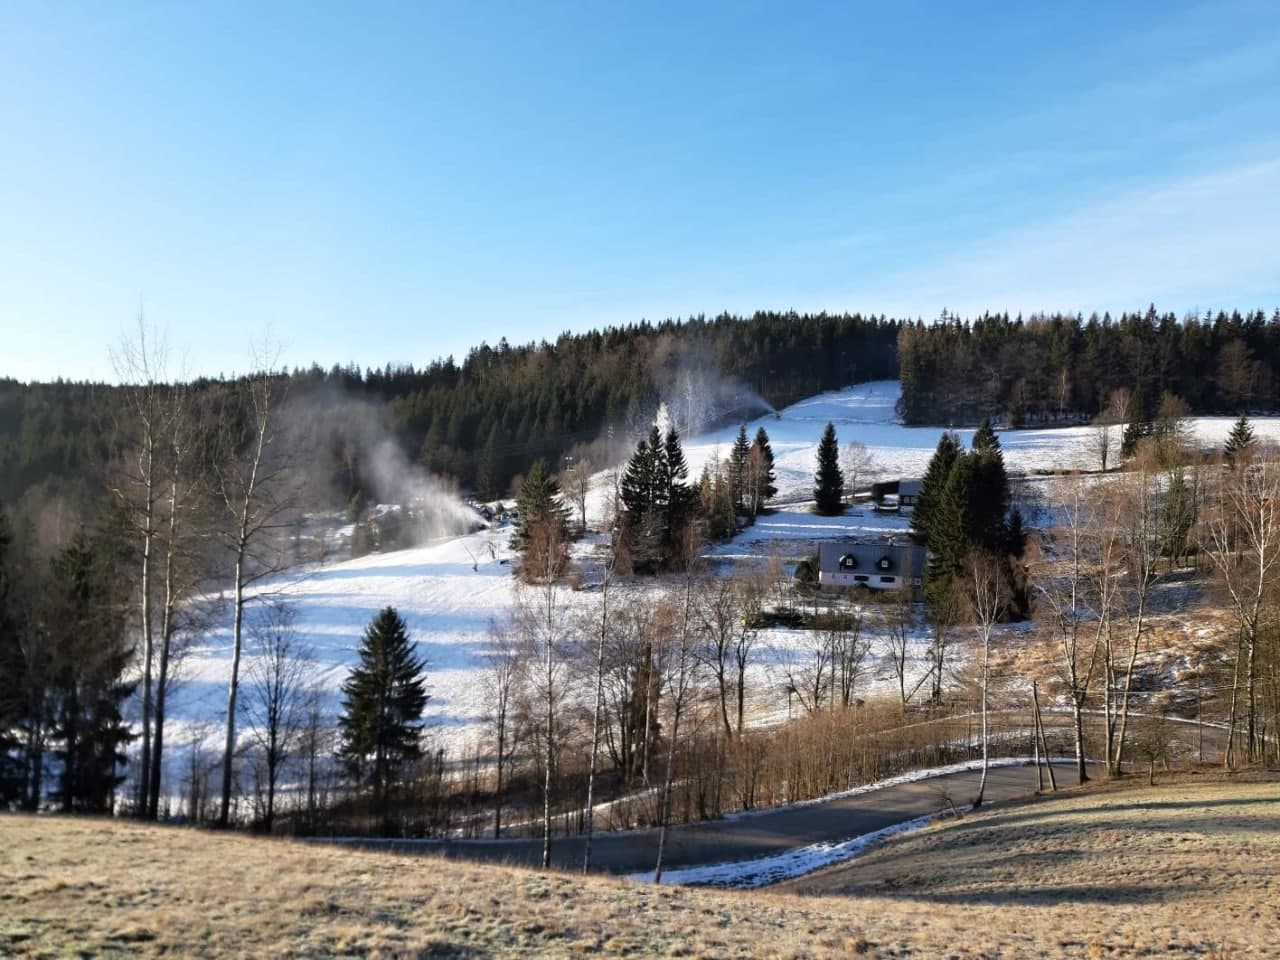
(1065, 368)
(482, 419)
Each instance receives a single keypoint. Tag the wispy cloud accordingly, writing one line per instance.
(1198, 241)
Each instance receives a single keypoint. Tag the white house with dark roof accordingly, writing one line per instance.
(875, 566)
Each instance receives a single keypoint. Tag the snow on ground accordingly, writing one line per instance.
(450, 591)
(763, 871)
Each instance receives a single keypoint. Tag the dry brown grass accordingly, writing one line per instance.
(1185, 869)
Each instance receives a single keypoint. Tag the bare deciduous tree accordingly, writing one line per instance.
(539, 607)
(859, 466)
(1106, 423)
(1060, 573)
(896, 619)
(723, 628)
(279, 678)
(601, 637)
(254, 486)
(988, 595)
(680, 683)
(1242, 537)
(503, 670)
(140, 363)
(576, 484)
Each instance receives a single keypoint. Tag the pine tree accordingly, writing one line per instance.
(828, 489)
(11, 674)
(933, 484)
(637, 480)
(953, 528)
(679, 498)
(645, 488)
(984, 438)
(89, 688)
(1239, 440)
(383, 699)
(539, 501)
(738, 469)
(990, 504)
(763, 480)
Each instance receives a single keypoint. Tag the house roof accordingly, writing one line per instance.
(902, 559)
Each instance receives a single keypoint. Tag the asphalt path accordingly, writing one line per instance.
(775, 830)
(745, 837)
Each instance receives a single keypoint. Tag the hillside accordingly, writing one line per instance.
(450, 591)
(1187, 869)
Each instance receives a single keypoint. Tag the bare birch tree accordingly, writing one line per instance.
(988, 595)
(1060, 574)
(896, 619)
(543, 631)
(1131, 535)
(859, 466)
(1241, 534)
(503, 669)
(680, 683)
(597, 715)
(140, 363)
(279, 677)
(576, 484)
(254, 487)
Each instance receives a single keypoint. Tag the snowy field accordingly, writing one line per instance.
(449, 592)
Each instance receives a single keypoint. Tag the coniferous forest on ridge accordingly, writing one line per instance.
(484, 419)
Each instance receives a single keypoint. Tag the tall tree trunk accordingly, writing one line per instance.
(497, 802)
(1077, 722)
(233, 687)
(144, 786)
(986, 680)
(595, 722)
(548, 760)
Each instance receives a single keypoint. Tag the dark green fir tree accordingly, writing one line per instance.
(828, 484)
(382, 703)
(1239, 441)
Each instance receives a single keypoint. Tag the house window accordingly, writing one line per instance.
(848, 562)
(884, 563)
(888, 579)
(861, 578)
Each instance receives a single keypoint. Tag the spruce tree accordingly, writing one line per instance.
(645, 492)
(1239, 440)
(990, 494)
(87, 631)
(679, 498)
(382, 703)
(637, 480)
(828, 489)
(953, 526)
(933, 484)
(12, 669)
(538, 501)
(738, 469)
(764, 480)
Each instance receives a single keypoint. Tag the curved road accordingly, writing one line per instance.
(745, 837)
(769, 831)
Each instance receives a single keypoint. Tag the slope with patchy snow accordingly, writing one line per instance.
(449, 592)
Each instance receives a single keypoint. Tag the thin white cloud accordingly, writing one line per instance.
(1206, 240)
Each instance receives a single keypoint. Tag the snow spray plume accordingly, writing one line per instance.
(353, 449)
(699, 398)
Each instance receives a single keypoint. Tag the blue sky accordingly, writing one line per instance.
(396, 182)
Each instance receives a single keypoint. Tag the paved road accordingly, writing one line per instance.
(743, 838)
(771, 831)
